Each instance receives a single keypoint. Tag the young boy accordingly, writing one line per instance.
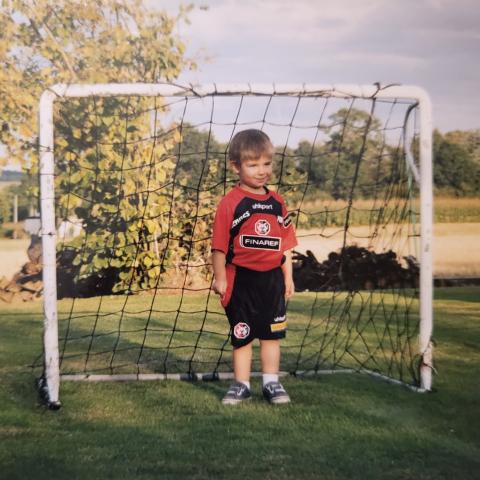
(252, 264)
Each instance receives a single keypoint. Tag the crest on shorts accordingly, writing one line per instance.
(241, 330)
(262, 227)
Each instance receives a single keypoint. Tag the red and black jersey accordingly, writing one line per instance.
(253, 230)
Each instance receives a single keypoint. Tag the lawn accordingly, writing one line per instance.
(188, 333)
(338, 426)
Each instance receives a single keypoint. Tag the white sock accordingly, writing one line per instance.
(245, 382)
(269, 377)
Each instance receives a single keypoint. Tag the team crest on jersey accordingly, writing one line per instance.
(262, 227)
(241, 330)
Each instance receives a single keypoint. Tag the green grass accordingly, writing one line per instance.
(338, 426)
(320, 313)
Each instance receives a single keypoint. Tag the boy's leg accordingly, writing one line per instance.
(270, 356)
(273, 390)
(242, 362)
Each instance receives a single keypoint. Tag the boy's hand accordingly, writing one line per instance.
(288, 275)
(289, 288)
(219, 287)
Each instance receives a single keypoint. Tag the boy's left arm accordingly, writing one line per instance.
(288, 274)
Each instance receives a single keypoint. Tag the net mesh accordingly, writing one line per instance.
(137, 184)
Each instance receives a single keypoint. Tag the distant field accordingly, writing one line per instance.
(456, 210)
(456, 235)
(13, 254)
(8, 184)
(332, 212)
(455, 248)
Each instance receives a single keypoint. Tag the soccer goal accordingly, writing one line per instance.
(130, 176)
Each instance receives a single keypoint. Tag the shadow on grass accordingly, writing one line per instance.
(338, 427)
(469, 294)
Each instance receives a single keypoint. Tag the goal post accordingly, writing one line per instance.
(421, 145)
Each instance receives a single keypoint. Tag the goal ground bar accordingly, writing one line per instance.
(216, 376)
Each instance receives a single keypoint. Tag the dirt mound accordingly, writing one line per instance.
(353, 268)
(27, 284)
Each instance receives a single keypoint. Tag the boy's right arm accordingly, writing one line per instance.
(220, 274)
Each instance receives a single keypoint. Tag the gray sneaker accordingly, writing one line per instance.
(238, 392)
(275, 393)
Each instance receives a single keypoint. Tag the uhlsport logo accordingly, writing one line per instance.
(241, 330)
(262, 206)
(262, 227)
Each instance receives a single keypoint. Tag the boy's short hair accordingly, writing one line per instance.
(249, 145)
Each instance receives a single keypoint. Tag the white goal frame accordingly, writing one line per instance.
(51, 378)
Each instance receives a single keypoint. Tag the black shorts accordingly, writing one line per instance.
(255, 305)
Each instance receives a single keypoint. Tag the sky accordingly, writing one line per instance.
(434, 44)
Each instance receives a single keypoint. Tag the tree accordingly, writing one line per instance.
(350, 158)
(67, 41)
(91, 42)
(7, 201)
(200, 150)
(355, 148)
(314, 161)
(468, 140)
(454, 171)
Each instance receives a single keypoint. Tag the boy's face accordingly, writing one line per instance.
(254, 173)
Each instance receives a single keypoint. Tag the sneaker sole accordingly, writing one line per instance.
(231, 401)
(279, 401)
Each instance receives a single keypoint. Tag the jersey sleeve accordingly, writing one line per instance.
(289, 237)
(221, 228)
